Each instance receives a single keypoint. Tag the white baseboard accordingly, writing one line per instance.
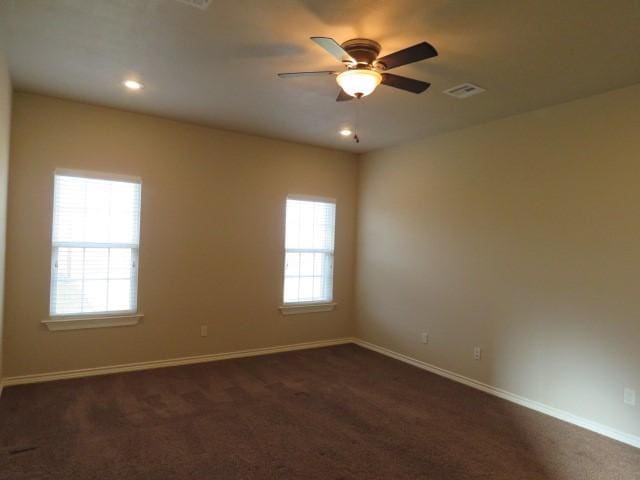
(172, 362)
(627, 438)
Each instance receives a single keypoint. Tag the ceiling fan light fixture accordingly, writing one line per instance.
(359, 82)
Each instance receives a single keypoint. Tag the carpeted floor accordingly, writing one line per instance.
(330, 413)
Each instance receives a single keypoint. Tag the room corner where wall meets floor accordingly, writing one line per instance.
(518, 237)
(315, 414)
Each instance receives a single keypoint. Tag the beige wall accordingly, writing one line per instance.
(5, 120)
(212, 235)
(521, 236)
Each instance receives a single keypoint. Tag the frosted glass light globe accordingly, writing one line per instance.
(359, 82)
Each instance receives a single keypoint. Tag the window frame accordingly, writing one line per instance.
(107, 318)
(311, 306)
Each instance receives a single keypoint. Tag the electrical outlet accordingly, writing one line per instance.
(424, 337)
(477, 353)
(204, 331)
(630, 397)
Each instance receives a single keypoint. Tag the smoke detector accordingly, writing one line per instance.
(464, 91)
(201, 4)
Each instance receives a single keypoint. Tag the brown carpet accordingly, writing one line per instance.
(331, 413)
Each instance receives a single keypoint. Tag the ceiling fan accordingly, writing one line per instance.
(364, 71)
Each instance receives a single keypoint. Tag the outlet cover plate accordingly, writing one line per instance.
(630, 397)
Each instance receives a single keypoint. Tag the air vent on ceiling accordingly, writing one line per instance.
(465, 90)
(201, 4)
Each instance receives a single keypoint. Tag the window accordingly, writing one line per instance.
(309, 239)
(96, 231)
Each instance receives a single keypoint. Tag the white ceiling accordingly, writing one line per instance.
(218, 67)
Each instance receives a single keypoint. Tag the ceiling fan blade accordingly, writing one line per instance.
(404, 83)
(343, 96)
(418, 52)
(307, 74)
(334, 48)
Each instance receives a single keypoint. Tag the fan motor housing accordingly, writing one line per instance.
(363, 50)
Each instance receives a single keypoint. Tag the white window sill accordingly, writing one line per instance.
(298, 308)
(77, 323)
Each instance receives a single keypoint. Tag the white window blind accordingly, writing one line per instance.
(95, 241)
(309, 242)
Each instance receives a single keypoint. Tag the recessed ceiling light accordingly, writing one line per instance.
(345, 132)
(132, 84)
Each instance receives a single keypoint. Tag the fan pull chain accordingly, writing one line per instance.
(355, 127)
